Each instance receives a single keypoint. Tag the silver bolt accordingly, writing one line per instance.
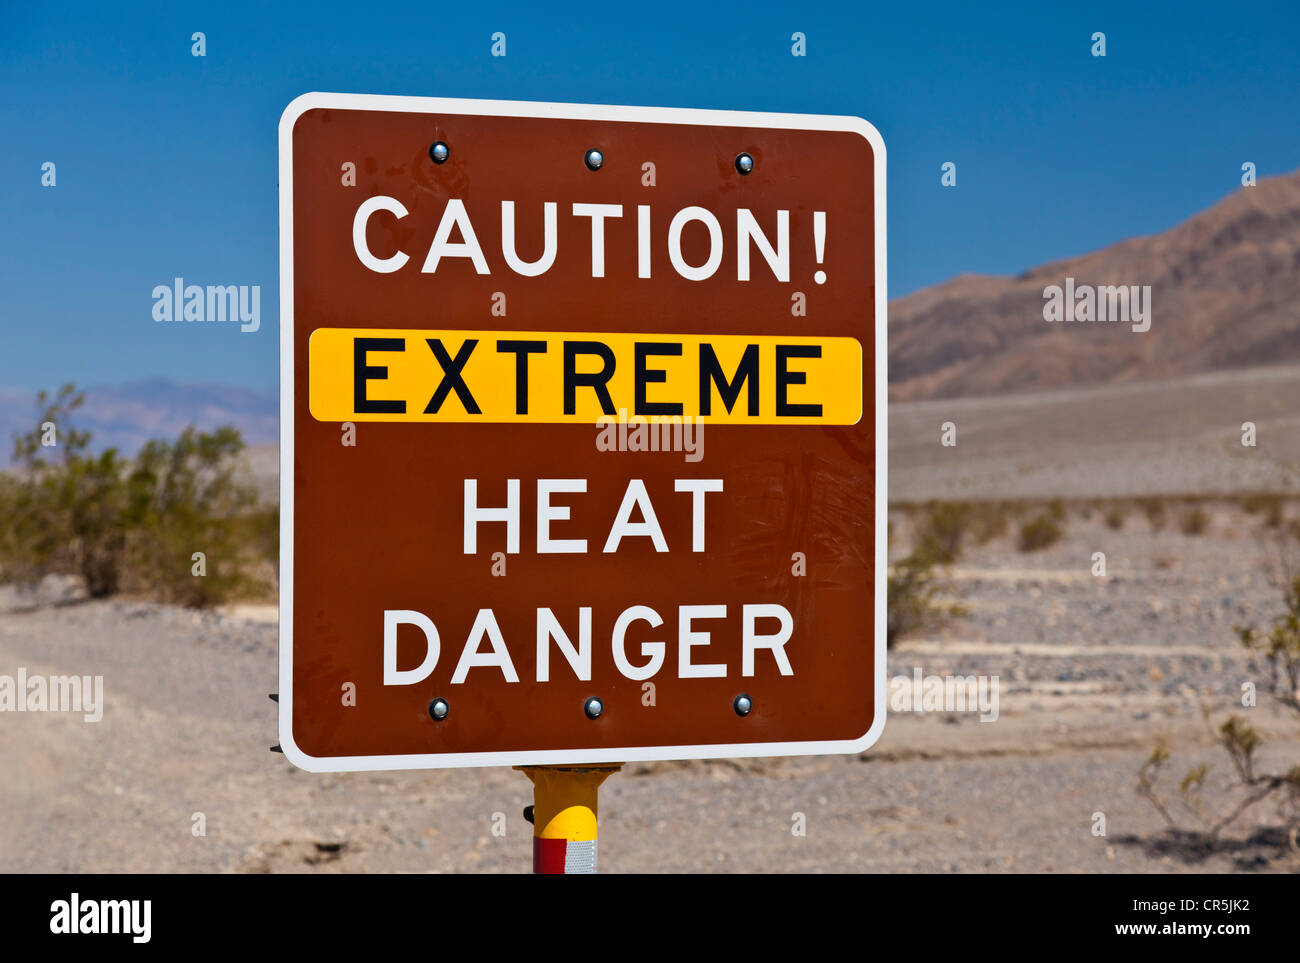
(439, 152)
(743, 705)
(593, 707)
(744, 163)
(438, 709)
(595, 159)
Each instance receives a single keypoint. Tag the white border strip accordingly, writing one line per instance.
(507, 108)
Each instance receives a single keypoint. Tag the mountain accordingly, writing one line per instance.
(126, 416)
(1225, 293)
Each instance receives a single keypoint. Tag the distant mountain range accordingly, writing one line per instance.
(126, 416)
(1225, 293)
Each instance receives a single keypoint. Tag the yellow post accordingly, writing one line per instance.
(564, 816)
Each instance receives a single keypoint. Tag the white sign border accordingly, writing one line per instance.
(507, 108)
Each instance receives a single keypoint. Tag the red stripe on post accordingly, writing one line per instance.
(548, 856)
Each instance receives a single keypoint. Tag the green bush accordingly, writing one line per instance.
(1194, 521)
(1115, 515)
(944, 529)
(1040, 531)
(185, 500)
(131, 525)
(67, 513)
(912, 585)
(1268, 505)
(991, 520)
(1154, 509)
(1274, 652)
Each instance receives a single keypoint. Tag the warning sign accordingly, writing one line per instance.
(583, 433)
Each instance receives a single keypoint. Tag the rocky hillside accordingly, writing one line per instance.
(1225, 293)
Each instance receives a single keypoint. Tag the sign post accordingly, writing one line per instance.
(564, 816)
(583, 439)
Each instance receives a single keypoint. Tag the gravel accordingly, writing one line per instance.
(1093, 672)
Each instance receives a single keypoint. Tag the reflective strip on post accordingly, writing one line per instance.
(549, 856)
(580, 857)
(563, 856)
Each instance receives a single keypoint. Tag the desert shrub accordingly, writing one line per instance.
(1040, 531)
(262, 535)
(1278, 646)
(1115, 515)
(127, 525)
(185, 500)
(912, 585)
(991, 520)
(1257, 502)
(1270, 506)
(1154, 510)
(1194, 520)
(944, 529)
(10, 497)
(941, 528)
(65, 513)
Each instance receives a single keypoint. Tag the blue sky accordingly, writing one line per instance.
(166, 163)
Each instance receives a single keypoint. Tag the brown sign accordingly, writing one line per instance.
(583, 433)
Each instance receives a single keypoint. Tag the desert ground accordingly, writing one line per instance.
(1093, 672)
(1175, 436)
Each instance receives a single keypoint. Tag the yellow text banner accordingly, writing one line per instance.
(369, 374)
